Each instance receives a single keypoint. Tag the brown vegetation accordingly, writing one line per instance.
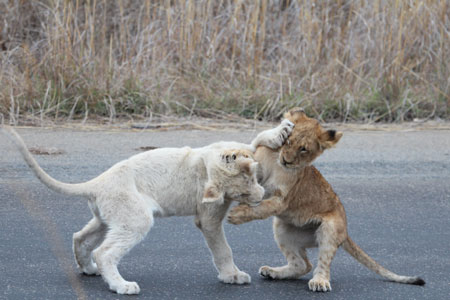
(342, 60)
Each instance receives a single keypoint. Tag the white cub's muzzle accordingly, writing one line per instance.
(256, 197)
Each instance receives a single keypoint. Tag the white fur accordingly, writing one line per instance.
(125, 199)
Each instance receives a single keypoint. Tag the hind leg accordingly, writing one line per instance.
(292, 243)
(85, 241)
(127, 226)
(328, 242)
(117, 243)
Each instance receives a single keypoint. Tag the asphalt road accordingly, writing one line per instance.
(395, 187)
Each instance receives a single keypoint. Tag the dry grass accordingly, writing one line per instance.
(343, 60)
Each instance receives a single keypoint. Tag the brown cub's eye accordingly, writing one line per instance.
(303, 150)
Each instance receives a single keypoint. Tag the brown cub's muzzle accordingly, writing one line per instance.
(285, 160)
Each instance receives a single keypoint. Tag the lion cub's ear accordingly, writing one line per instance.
(329, 138)
(295, 114)
(248, 166)
(212, 194)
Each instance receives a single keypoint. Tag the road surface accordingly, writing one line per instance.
(395, 186)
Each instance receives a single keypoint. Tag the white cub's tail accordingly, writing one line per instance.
(58, 186)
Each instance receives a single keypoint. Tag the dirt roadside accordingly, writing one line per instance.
(227, 123)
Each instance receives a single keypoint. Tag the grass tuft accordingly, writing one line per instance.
(343, 60)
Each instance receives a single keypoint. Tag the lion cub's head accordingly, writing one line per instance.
(307, 141)
(233, 176)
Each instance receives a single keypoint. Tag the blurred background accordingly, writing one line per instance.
(342, 60)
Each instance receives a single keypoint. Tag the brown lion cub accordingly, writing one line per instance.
(307, 211)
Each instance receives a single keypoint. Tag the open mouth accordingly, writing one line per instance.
(240, 196)
(285, 163)
(252, 204)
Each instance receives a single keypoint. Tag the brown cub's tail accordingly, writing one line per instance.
(367, 261)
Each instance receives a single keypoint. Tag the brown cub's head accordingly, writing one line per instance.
(307, 141)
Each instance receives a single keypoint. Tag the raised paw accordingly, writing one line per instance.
(235, 278)
(286, 128)
(319, 285)
(282, 133)
(126, 288)
(237, 215)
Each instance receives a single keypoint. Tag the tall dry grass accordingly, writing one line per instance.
(372, 60)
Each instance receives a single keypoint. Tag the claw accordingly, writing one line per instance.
(319, 285)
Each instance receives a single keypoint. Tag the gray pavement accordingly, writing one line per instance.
(395, 187)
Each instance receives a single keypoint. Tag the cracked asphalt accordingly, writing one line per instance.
(395, 186)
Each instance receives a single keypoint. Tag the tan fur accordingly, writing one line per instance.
(308, 212)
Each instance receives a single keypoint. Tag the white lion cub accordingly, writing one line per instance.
(125, 199)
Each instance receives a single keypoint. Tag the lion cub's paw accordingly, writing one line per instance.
(90, 270)
(283, 131)
(237, 214)
(268, 272)
(235, 278)
(126, 288)
(287, 126)
(319, 285)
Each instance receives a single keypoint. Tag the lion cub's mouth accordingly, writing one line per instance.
(285, 163)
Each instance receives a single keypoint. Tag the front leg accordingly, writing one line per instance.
(274, 138)
(223, 256)
(210, 223)
(267, 208)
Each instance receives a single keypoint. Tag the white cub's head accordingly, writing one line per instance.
(233, 176)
